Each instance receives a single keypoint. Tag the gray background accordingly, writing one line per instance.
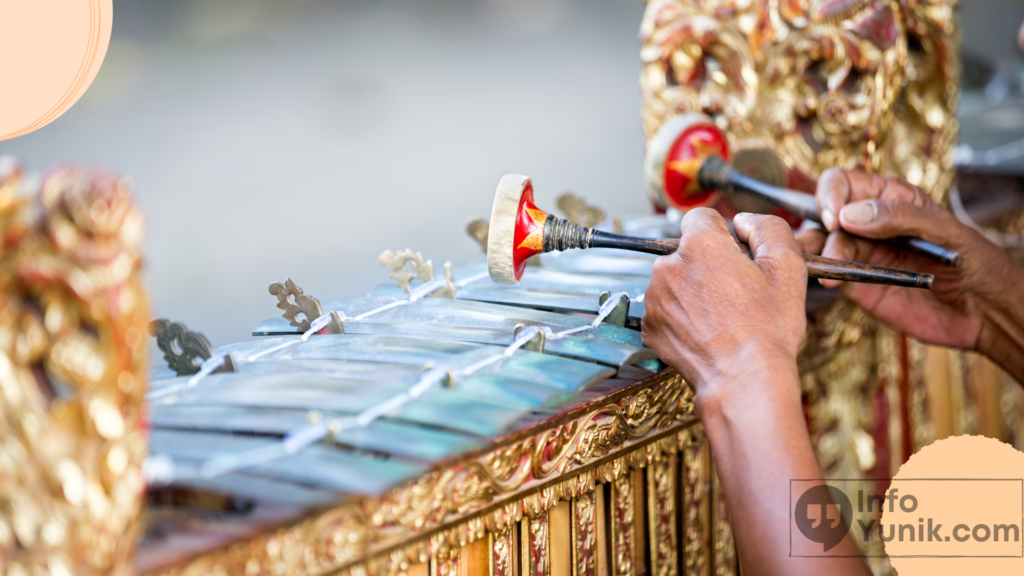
(272, 139)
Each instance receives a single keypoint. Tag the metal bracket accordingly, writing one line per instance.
(536, 344)
(291, 299)
(620, 313)
(449, 379)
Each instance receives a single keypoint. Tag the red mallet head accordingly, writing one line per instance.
(674, 156)
(516, 229)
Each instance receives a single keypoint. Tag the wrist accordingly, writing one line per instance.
(765, 377)
(1001, 337)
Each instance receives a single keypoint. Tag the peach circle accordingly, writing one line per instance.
(972, 482)
(50, 51)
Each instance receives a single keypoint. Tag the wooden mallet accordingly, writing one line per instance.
(688, 165)
(519, 230)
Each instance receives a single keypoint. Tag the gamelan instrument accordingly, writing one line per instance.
(520, 230)
(686, 166)
(448, 424)
(444, 425)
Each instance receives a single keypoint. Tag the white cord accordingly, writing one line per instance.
(209, 366)
(298, 439)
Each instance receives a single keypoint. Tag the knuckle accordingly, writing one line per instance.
(774, 224)
(921, 198)
(705, 215)
(791, 260)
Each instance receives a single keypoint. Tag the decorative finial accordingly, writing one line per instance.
(184, 350)
(293, 302)
(422, 270)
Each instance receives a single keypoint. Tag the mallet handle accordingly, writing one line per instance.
(716, 173)
(817, 266)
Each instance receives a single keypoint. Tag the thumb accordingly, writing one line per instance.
(879, 219)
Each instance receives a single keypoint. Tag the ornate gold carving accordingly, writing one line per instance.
(584, 536)
(661, 513)
(73, 318)
(478, 229)
(623, 505)
(537, 557)
(444, 557)
(502, 553)
(725, 546)
(1011, 404)
(890, 371)
(578, 212)
(184, 350)
(293, 302)
(925, 127)
(422, 270)
(822, 83)
(696, 479)
(922, 429)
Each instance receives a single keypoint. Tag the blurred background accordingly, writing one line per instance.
(272, 139)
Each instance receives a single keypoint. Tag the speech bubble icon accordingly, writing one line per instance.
(816, 515)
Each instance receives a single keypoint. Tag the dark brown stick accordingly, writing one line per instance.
(817, 266)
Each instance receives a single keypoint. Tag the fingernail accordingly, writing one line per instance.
(828, 218)
(859, 213)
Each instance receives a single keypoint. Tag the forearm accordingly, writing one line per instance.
(760, 443)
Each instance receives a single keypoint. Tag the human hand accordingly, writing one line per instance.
(719, 317)
(968, 307)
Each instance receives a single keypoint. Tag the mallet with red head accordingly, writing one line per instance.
(686, 167)
(519, 230)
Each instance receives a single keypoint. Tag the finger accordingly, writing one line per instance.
(880, 219)
(841, 246)
(810, 237)
(837, 188)
(706, 229)
(894, 189)
(832, 194)
(771, 242)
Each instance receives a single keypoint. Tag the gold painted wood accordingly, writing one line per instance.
(696, 463)
(623, 530)
(584, 534)
(502, 552)
(984, 377)
(640, 538)
(815, 82)
(475, 558)
(601, 508)
(73, 323)
(724, 554)
(536, 546)
(444, 557)
(560, 534)
(661, 512)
